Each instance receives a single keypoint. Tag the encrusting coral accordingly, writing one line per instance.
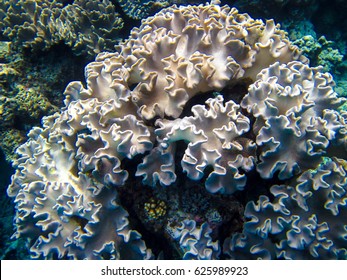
(88, 27)
(235, 91)
(30, 88)
(320, 52)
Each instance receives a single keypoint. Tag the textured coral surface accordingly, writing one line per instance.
(201, 112)
(86, 26)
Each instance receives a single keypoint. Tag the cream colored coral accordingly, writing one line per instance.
(215, 137)
(296, 118)
(185, 51)
(65, 212)
(135, 104)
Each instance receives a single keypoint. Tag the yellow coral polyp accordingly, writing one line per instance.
(155, 209)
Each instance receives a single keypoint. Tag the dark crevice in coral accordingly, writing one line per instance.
(197, 202)
(181, 147)
(81, 221)
(237, 90)
(66, 2)
(133, 86)
(199, 98)
(255, 187)
(105, 255)
(132, 197)
(151, 122)
(85, 131)
(188, 196)
(130, 165)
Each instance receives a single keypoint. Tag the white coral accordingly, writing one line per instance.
(296, 118)
(64, 212)
(215, 137)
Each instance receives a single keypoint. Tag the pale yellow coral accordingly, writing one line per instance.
(155, 209)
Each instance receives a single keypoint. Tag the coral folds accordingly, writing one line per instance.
(197, 96)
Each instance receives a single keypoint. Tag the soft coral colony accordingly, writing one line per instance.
(244, 102)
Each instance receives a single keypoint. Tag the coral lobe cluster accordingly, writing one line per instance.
(136, 107)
